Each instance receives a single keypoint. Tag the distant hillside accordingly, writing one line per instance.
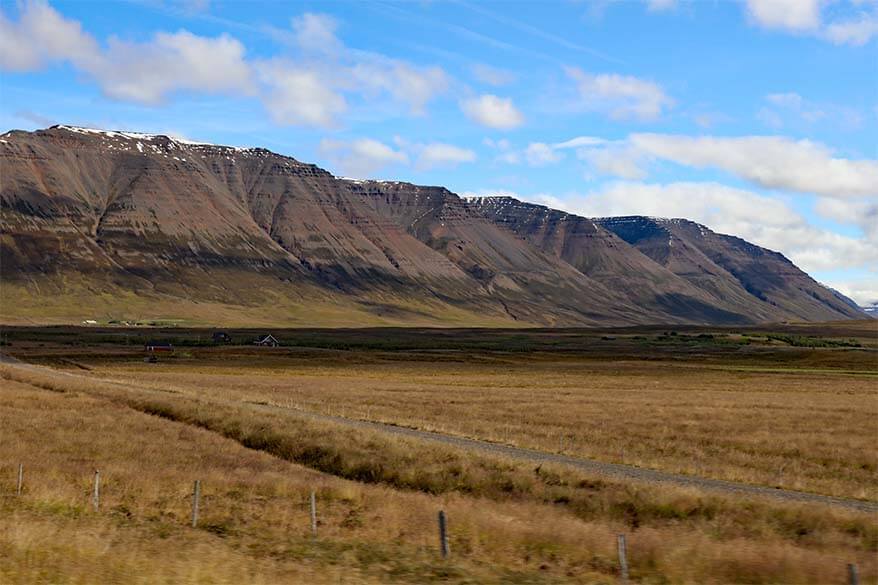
(126, 226)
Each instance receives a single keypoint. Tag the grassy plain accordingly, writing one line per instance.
(764, 412)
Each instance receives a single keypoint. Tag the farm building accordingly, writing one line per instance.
(267, 341)
(158, 347)
(222, 337)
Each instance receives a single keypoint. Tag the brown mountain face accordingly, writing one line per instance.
(676, 267)
(115, 225)
(731, 268)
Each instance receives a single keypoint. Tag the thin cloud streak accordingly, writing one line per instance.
(540, 33)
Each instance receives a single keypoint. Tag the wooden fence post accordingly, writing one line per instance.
(313, 515)
(96, 497)
(443, 534)
(853, 574)
(196, 495)
(20, 478)
(623, 558)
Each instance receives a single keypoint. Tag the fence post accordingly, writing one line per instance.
(623, 558)
(853, 574)
(443, 534)
(313, 515)
(196, 495)
(96, 497)
(20, 478)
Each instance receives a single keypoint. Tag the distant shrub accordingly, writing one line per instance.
(805, 341)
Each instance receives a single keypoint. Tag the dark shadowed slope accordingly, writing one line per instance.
(730, 267)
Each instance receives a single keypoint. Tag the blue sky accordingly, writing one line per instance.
(758, 118)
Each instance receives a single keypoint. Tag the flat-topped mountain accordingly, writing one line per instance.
(121, 225)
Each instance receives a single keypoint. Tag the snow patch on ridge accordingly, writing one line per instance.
(146, 137)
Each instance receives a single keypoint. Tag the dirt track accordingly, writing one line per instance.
(612, 470)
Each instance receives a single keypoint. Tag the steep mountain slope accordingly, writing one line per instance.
(731, 268)
(679, 268)
(136, 226)
(89, 215)
(607, 258)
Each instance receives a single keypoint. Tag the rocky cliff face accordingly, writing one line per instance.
(96, 222)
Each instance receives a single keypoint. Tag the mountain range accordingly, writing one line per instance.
(111, 225)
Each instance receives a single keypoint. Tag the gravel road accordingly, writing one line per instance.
(610, 470)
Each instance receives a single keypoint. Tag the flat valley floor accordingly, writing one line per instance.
(389, 426)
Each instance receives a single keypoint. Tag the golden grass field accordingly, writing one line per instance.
(805, 420)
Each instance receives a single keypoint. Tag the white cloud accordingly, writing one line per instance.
(660, 5)
(509, 158)
(536, 154)
(299, 96)
(786, 100)
(438, 154)
(140, 72)
(863, 291)
(148, 72)
(192, 6)
(770, 118)
(549, 201)
(580, 141)
(313, 90)
(773, 162)
(361, 158)
(760, 219)
(709, 119)
(622, 96)
(492, 75)
(857, 31)
(622, 162)
(862, 213)
(791, 107)
(805, 16)
(540, 154)
(410, 85)
(770, 161)
(492, 111)
(501, 144)
(40, 36)
(316, 33)
(794, 15)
